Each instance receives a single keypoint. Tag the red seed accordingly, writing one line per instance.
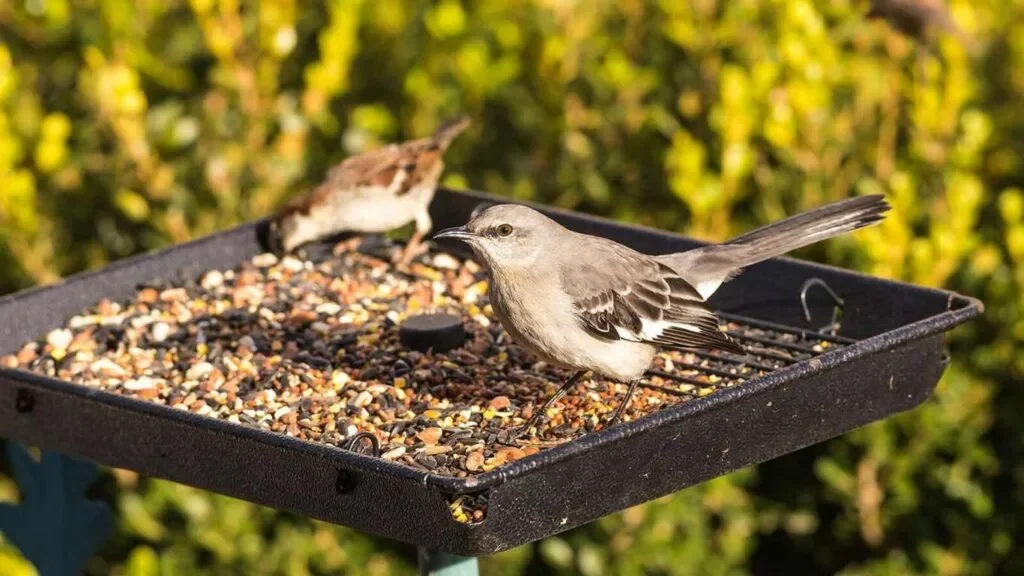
(148, 296)
(510, 454)
(430, 435)
(499, 402)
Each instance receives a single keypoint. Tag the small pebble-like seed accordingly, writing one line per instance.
(265, 260)
(426, 460)
(445, 262)
(430, 435)
(160, 331)
(174, 295)
(148, 393)
(394, 453)
(148, 296)
(212, 279)
(140, 383)
(247, 342)
(435, 449)
(329, 309)
(400, 367)
(363, 399)
(26, 355)
(199, 371)
(108, 368)
(499, 403)
(60, 338)
(474, 460)
(292, 264)
(510, 454)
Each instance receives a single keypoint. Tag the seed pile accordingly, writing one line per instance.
(311, 350)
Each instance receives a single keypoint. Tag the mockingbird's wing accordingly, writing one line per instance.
(619, 294)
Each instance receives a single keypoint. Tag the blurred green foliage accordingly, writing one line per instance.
(131, 126)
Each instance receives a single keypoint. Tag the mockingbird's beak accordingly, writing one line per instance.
(458, 233)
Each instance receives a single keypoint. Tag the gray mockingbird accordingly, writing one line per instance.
(588, 303)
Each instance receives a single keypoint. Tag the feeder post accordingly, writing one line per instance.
(55, 526)
(433, 563)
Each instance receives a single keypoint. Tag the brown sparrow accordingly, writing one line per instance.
(919, 19)
(373, 192)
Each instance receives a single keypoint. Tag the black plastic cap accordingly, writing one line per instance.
(437, 332)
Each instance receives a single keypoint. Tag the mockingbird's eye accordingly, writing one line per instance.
(504, 230)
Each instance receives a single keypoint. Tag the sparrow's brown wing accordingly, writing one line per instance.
(395, 167)
(376, 168)
(399, 167)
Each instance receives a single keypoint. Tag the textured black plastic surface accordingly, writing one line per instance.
(894, 366)
(438, 332)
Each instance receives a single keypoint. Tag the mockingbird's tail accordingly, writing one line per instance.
(709, 267)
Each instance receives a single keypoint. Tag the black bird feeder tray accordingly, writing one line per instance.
(891, 361)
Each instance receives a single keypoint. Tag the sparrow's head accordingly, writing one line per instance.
(291, 227)
(272, 236)
(507, 236)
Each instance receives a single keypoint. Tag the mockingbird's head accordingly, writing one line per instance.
(508, 235)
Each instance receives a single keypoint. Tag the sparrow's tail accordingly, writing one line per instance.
(709, 267)
(447, 132)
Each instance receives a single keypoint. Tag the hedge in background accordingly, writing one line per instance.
(130, 126)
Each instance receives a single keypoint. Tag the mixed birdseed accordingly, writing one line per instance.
(311, 350)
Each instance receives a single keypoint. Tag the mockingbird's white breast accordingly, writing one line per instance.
(539, 315)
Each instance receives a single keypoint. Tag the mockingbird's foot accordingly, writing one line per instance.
(554, 398)
(624, 404)
(534, 420)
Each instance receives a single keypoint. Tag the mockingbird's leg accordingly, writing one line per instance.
(557, 395)
(624, 403)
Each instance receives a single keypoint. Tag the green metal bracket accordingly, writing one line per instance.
(55, 526)
(444, 564)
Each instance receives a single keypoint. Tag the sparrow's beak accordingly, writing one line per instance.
(458, 233)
